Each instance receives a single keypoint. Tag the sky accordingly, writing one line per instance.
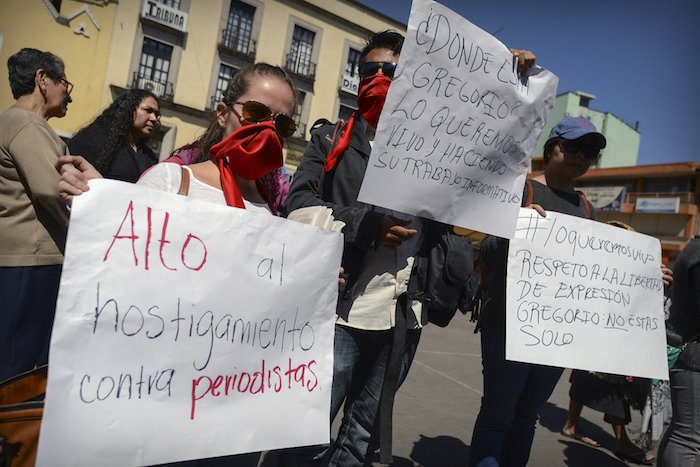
(640, 58)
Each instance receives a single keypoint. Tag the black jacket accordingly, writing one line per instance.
(338, 189)
(127, 165)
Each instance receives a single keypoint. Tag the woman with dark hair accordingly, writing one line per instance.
(115, 142)
(33, 220)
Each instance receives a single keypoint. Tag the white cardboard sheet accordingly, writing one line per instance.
(585, 295)
(187, 330)
(458, 128)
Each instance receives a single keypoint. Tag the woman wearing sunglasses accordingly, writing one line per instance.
(239, 154)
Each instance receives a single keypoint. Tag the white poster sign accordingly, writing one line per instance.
(187, 330)
(585, 295)
(458, 128)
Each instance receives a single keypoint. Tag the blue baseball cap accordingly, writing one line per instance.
(571, 128)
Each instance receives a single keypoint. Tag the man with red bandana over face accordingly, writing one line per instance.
(378, 327)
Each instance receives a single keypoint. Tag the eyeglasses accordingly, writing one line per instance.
(371, 68)
(255, 112)
(67, 84)
(590, 151)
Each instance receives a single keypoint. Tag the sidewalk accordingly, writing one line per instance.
(436, 408)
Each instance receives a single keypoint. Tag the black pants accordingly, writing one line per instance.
(28, 295)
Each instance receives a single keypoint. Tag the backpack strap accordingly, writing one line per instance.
(184, 182)
(530, 193)
(586, 203)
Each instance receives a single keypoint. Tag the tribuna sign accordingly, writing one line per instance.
(163, 14)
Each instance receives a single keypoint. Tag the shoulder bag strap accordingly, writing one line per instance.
(184, 182)
(586, 204)
(530, 193)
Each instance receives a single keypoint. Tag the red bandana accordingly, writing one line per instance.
(250, 152)
(371, 97)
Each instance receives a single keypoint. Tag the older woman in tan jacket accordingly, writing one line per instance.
(33, 220)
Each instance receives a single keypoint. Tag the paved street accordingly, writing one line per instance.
(438, 404)
(436, 408)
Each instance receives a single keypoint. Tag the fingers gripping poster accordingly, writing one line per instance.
(187, 330)
(586, 295)
(458, 127)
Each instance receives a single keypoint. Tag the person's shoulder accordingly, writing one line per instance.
(324, 128)
(17, 116)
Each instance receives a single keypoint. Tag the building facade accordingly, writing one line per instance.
(660, 200)
(186, 51)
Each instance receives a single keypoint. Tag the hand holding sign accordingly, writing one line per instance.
(585, 295)
(458, 127)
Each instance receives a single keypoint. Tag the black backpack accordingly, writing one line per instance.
(441, 274)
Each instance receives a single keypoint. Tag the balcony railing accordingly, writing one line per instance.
(685, 197)
(300, 67)
(237, 43)
(162, 89)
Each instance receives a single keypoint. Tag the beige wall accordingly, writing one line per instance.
(107, 59)
(29, 24)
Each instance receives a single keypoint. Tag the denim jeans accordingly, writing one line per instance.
(681, 443)
(359, 365)
(514, 393)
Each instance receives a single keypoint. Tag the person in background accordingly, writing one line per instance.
(681, 443)
(33, 220)
(115, 142)
(610, 394)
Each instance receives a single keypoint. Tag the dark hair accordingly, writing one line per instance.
(388, 39)
(117, 120)
(23, 65)
(236, 88)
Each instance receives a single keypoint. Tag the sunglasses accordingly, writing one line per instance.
(371, 68)
(255, 112)
(67, 84)
(590, 151)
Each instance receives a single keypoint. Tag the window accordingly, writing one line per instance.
(299, 58)
(154, 66)
(352, 67)
(351, 76)
(225, 74)
(298, 114)
(239, 27)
